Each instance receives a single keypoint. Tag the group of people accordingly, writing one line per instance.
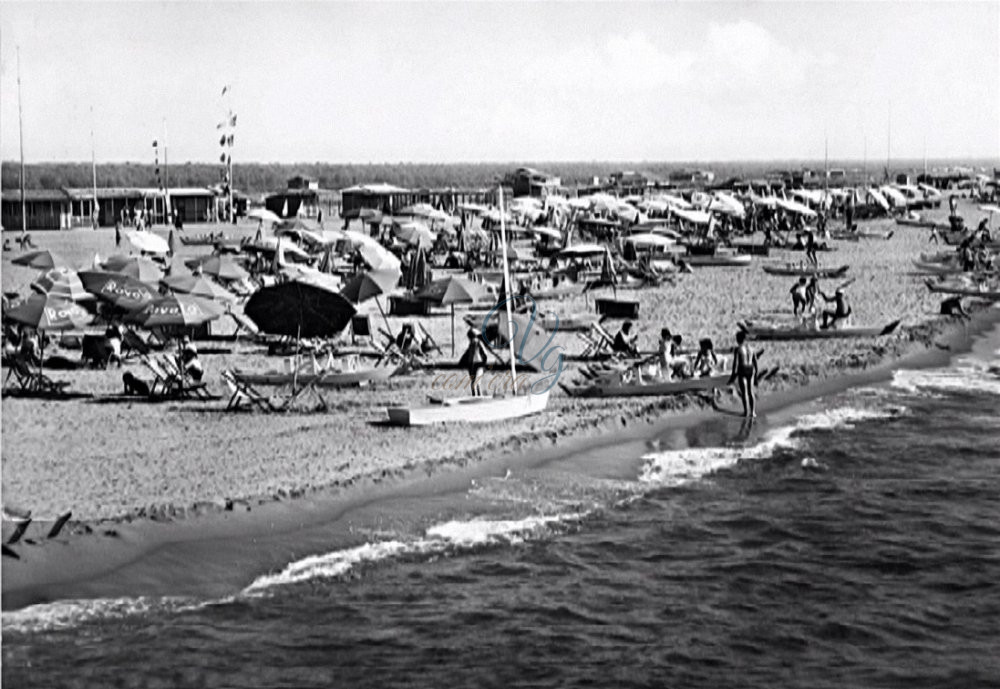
(804, 293)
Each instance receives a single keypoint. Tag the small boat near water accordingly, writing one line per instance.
(469, 410)
(800, 270)
(673, 387)
(990, 295)
(799, 332)
(339, 379)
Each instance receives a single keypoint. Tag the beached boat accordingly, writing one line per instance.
(469, 410)
(862, 233)
(343, 379)
(938, 267)
(793, 270)
(928, 224)
(991, 295)
(718, 260)
(674, 387)
(808, 333)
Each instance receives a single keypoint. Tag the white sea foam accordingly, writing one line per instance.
(678, 467)
(966, 375)
(72, 613)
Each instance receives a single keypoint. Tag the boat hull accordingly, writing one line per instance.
(470, 410)
(964, 292)
(803, 271)
(651, 389)
(774, 334)
(332, 380)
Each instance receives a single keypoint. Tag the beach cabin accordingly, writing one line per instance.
(194, 204)
(111, 201)
(45, 209)
(379, 196)
(526, 181)
(303, 199)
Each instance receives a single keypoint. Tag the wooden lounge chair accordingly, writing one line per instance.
(598, 342)
(169, 383)
(133, 345)
(429, 344)
(30, 381)
(243, 394)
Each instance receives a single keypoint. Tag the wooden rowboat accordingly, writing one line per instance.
(469, 410)
(993, 295)
(792, 270)
(345, 379)
(676, 387)
(718, 260)
(801, 333)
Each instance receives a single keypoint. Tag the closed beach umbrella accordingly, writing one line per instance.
(176, 310)
(223, 267)
(146, 241)
(197, 285)
(63, 283)
(298, 310)
(170, 243)
(41, 260)
(450, 291)
(123, 291)
(47, 312)
(416, 272)
(141, 268)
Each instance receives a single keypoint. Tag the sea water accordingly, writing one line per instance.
(854, 541)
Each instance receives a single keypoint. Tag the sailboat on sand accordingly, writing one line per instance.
(472, 409)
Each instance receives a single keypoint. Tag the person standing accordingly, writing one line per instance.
(799, 298)
(744, 374)
(474, 361)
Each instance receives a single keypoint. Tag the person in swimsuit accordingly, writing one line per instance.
(745, 374)
(840, 311)
(799, 298)
(474, 361)
(706, 361)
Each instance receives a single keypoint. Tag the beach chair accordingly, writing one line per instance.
(133, 345)
(392, 353)
(31, 381)
(602, 338)
(429, 344)
(361, 327)
(243, 394)
(182, 385)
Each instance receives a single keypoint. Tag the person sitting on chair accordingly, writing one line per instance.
(113, 336)
(625, 341)
(190, 363)
(29, 349)
(840, 311)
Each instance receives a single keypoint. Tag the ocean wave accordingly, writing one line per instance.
(73, 613)
(678, 467)
(967, 375)
(440, 538)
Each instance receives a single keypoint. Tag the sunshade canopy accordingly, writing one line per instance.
(176, 310)
(46, 312)
(297, 309)
(122, 291)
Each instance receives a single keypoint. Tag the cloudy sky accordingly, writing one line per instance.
(428, 82)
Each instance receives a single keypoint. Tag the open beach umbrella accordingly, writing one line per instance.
(198, 285)
(41, 260)
(264, 215)
(371, 285)
(63, 283)
(377, 257)
(146, 241)
(297, 309)
(48, 312)
(450, 291)
(414, 233)
(176, 311)
(693, 216)
(310, 275)
(141, 268)
(122, 291)
(648, 240)
(221, 266)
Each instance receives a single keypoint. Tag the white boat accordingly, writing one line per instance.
(478, 409)
(469, 410)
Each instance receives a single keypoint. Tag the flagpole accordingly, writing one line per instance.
(20, 133)
(93, 172)
(166, 181)
(510, 292)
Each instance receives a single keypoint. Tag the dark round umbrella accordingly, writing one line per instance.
(298, 309)
(125, 292)
(450, 291)
(222, 266)
(42, 260)
(176, 310)
(365, 286)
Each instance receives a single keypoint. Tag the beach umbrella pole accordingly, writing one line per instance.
(453, 330)
(384, 318)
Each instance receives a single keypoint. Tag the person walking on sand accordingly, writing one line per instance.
(799, 298)
(744, 374)
(811, 248)
(474, 361)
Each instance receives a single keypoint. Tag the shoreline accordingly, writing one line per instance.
(94, 559)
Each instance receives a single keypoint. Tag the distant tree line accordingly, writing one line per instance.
(256, 178)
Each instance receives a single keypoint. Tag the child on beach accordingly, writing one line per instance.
(706, 361)
(744, 374)
(799, 298)
(474, 360)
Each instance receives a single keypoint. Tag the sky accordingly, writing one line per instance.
(463, 81)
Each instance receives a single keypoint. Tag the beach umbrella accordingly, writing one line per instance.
(310, 275)
(170, 243)
(147, 242)
(122, 291)
(176, 311)
(198, 285)
(63, 283)
(41, 260)
(416, 273)
(263, 215)
(48, 312)
(648, 240)
(298, 309)
(371, 285)
(221, 266)
(450, 291)
(583, 250)
(377, 257)
(141, 268)
(414, 233)
(693, 216)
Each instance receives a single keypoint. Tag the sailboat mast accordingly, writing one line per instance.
(510, 290)
(166, 181)
(826, 163)
(20, 133)
(888, 142)
(93, 172)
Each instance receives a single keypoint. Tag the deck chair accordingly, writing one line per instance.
(392, 353)
(244, 395)
(601, 340)
(245, 325)
(34, 381)
(183, 386)
(361, 327)
(429, 344)
(133, 345)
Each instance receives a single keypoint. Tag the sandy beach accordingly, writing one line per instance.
(109, 460)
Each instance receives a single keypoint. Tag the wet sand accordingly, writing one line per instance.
(127, 466)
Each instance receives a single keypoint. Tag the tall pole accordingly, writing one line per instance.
(166, 181)
(510, 291)
(826, 164)
(888, 142)
(93, 172)
(864, 164)
(20, 133)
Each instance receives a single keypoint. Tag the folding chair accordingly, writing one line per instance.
(603, 338)
(34, 381)
(245, 324)
(163, 381)
(242, 394)
(182, 385)
(361, 327)
(428, 345)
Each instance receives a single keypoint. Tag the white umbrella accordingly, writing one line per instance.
(146, 241)
(263, 215)
(648, 240)
(796, 207)
(583, 250)
(693, 216)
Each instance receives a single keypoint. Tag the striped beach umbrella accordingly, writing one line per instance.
(176, 310)
(41, 260)
(63, 283)
(47, 312)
